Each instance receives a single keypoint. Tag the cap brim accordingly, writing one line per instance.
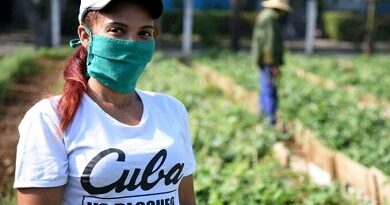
(98, 5)
(155, 7)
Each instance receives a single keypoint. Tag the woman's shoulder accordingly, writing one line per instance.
(46, 106)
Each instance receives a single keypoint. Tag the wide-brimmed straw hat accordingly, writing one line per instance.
(155, 7)
(277, 4)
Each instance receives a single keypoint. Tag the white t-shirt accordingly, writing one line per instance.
(103, 161)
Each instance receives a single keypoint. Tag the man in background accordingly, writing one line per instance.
(267, 53)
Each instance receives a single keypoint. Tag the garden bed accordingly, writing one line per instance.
(331, 164)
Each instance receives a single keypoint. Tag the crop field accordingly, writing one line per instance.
(362, 133)
(233, 146)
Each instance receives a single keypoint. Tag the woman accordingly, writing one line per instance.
(103, 141)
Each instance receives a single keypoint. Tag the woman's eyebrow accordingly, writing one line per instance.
(148, 27)
(125, 25)
(117, 24)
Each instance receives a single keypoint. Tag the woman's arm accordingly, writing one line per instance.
(186, 191)
(40, 196)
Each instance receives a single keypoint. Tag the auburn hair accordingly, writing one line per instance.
(75, 76)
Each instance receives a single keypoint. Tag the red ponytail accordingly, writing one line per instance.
(75, 85)
(75, 80)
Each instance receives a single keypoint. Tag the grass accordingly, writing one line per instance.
(56, 53)
(21, 62)
(8, 200)
(7, 195)
(18, 63)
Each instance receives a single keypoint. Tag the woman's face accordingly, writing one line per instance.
(125, 21)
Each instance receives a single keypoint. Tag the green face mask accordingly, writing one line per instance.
(117, 63)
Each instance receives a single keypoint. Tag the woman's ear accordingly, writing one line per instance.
(83, 35)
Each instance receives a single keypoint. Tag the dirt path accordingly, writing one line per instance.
(22, 94)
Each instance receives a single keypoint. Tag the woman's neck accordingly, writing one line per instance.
(101, 93)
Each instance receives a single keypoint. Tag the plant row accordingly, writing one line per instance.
(361, 134)
(368, 74)
(231, 146)
(334, 116)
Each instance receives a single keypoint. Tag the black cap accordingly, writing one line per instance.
(155, 7)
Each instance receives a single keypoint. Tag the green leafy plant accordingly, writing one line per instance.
(333, 115)
(368, 74)
(232, 147)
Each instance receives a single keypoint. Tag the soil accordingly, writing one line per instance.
(22, 94)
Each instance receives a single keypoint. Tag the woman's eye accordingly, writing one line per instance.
(116, 30)
(146, 34)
